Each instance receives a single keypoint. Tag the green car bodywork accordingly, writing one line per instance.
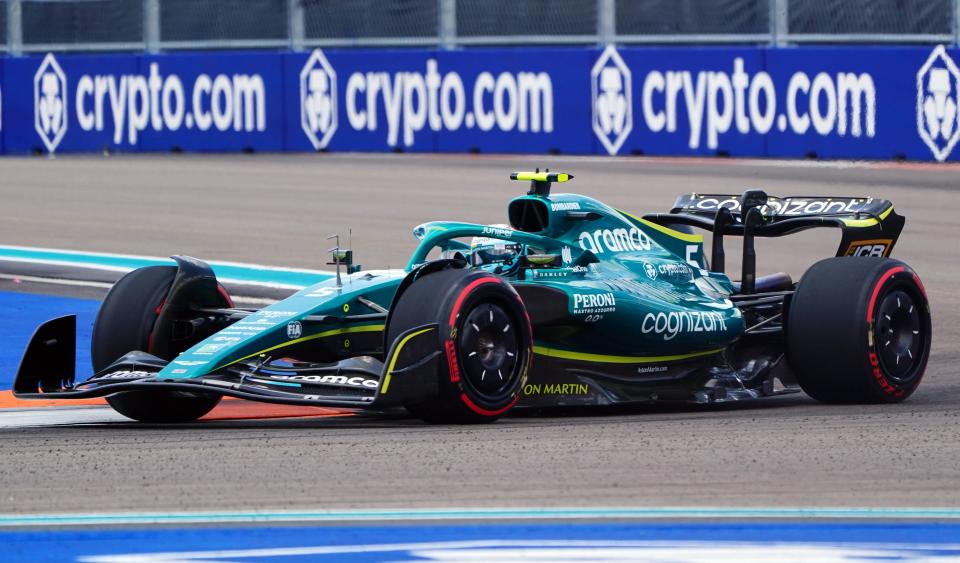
(635, 296)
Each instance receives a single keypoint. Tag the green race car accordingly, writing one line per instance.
(573, 303)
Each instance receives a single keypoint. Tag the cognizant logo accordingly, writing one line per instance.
(714, 103)
(134, 103)
(414, 101)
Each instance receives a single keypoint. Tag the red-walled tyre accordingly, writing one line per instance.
(859, 331)
(125, 322)
(485, 339)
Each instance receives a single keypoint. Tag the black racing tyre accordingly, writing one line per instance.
(125, 323)
(485, 339)
(858, 331)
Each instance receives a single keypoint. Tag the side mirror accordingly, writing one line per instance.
(339, 256)
(343, 258)
(542, 260)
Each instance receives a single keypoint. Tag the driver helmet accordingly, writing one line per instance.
(486, 250)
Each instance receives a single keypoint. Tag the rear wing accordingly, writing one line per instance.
(869, 227)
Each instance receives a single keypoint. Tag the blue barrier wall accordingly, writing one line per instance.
(832, 102)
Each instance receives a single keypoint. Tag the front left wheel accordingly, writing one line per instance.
(485, 340)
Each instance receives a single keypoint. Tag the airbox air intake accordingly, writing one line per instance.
(529, 215)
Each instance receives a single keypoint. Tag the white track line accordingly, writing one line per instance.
(107, 285)
(146, 257)
(68, 264)
(491, 514)
(58, 416)
(57, 281)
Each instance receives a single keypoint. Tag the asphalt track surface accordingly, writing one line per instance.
(278, 210)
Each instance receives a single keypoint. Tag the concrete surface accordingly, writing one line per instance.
(279, 209)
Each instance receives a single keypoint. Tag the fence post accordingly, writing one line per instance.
(151, 25)
(447, 24)
(779, 22)
(296, 33)
(14, 27)
(956, 22)
(606, 22)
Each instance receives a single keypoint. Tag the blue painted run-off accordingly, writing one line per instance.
(226, 271)
(699, 541)
(21, 313)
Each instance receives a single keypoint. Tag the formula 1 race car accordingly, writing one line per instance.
(575, 303)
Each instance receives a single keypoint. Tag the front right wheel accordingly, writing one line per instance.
(859, 331)
(125, 322)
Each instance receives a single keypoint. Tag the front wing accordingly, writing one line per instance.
(48, 366)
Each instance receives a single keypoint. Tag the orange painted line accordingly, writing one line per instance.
(8, 401)
(229, 409)
(240, 409)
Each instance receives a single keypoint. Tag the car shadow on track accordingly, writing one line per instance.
(398, 418)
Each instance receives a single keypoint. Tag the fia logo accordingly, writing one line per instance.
(50, 102)
(612, 93)
(938, 84)
(318, 99)
(294, 330)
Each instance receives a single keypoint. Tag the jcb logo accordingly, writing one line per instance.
(878, 248)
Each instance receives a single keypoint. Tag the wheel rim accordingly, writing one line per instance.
(489, 349)
(899, 335)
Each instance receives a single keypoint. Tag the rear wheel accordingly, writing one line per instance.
(485, 338)
(859, 331)
(125, 323)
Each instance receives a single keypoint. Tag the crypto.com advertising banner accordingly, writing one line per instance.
(516, 100)
(215, 102)
(830, 102)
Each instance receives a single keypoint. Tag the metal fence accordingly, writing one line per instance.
(163, 25)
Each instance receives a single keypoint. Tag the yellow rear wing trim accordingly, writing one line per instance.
(867, 222)
(686, 237)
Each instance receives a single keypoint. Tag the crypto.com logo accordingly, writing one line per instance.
(610, 82)
(50, 102)
(938, 121)
(318, 99)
